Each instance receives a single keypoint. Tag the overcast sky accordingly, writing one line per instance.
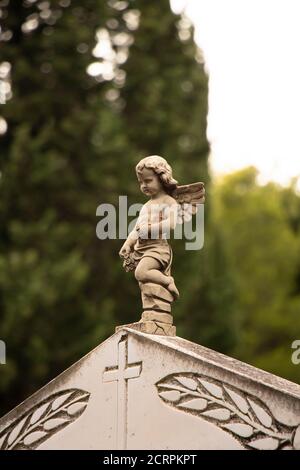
(252, 53)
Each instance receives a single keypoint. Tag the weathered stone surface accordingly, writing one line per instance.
(141, 391)
(149, 289)
(154, 303)
(157, 328)
(152, 328)
(150, 315)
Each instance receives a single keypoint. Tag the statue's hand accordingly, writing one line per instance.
(125, 250)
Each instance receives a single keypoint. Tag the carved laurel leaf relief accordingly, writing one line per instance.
(44, 420)
(244, 416)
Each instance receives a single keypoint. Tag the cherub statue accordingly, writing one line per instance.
(146, 250)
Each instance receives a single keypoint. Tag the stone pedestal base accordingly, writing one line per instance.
(151, 327)
(156, 318)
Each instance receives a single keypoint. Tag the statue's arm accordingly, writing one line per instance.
(133, 235)
(168, 222)
(129, 243)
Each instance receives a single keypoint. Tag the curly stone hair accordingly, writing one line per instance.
(162, 168)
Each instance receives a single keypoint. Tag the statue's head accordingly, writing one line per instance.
(161, 168)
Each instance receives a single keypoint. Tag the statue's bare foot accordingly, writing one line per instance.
(173, 289)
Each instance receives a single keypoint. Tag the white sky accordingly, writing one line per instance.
(252, 53)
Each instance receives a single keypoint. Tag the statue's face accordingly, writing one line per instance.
(149, 182)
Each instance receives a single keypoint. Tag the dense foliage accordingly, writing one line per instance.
(97, 85)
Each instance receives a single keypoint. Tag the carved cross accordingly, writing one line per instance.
(121, 374)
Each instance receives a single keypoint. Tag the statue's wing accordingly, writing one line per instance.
(188, 198)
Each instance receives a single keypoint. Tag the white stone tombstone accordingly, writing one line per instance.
(141, 391)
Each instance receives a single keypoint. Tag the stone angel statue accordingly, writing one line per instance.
(146, 250)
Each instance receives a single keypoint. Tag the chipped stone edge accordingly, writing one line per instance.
(250, 372)
(175, 343)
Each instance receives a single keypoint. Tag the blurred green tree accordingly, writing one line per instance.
(48, 260)
(261, 233)
(95, 86)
